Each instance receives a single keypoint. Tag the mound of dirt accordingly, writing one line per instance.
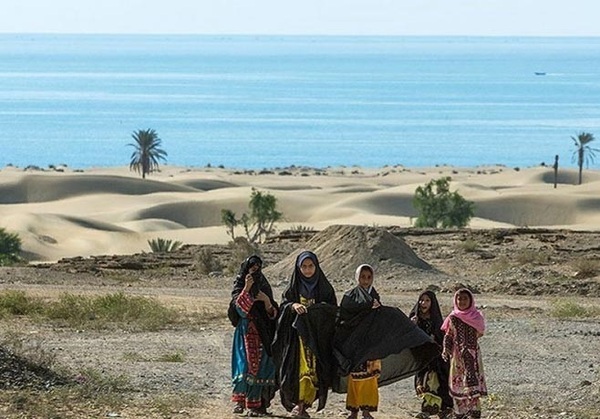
(16, 372)
(341, 248)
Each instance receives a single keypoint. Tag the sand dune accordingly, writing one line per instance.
(111, 210)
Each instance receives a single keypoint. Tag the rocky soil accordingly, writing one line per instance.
(538, 364)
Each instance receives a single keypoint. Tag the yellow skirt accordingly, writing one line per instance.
(363, 388)
(309, 382)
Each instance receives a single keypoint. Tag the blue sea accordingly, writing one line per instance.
(271, 101)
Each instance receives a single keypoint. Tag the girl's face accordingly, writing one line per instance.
(308, 268)
(365, 279)
(254, 268)
(425, 304)
(463, 301)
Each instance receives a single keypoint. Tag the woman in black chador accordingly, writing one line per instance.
(302, 346)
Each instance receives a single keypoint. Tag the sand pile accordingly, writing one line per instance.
(341, 248)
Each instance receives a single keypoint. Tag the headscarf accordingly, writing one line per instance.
(470, 316)
(260, 281)
(359, 270)
(307, 284)
(260, 284)
(435, 314)
(317, 286)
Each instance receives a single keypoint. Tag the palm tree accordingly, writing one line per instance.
(583, 152)
(147, 153)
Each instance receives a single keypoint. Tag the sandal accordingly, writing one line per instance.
(238, 409)
(299, 412)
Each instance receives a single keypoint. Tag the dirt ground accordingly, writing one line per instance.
(537, 364)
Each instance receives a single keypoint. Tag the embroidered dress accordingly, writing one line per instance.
(463, 327)
(466, 369)
(253, 371)
(363, 390)
(252, 367)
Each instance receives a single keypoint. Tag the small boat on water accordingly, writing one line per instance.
(539, 73)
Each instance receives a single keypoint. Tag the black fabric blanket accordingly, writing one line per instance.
(317, 329)
(386, 333)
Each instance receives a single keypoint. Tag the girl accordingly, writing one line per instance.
(302, 344)
(363, 391)
(431, 383)
(374, 346)
(463, 327)
(253, 311)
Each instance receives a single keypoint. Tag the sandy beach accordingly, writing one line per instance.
(64, 212)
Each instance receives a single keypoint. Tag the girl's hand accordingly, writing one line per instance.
(420, 390)
(299, 308)
(261, 296)
(445, 356)
(414, 319)
(249, 282)
(376, 304)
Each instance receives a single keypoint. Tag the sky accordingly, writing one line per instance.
(305, 17)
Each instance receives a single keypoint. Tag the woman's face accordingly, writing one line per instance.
(463, 301)
(425, 303)
(254, 268)
(365, 279)
(308, 268)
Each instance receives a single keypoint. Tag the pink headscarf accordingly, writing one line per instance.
(470, 316)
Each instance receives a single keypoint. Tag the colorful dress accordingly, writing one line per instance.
(467, 381)
(253, 370)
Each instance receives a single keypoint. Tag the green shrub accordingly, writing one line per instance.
(259, 223)
(160, 245)
(438, 207)
(10, 247)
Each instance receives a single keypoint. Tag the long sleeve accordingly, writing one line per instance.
(449, 340)
(244, 302)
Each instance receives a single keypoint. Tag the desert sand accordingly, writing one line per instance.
(65, 212)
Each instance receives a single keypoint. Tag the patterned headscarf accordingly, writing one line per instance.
(470, 316)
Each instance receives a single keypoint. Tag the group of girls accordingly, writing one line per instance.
(307, 344)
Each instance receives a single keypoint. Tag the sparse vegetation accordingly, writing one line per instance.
(532, 256)
(469, 245)
(206, 262)
(586, 268)
(259, 224)
(565, 308)
(242, 248)
(583, 154)
(147, 152)
(160, 245)
(438, 207)
(111, 310)
(230, 222)
(177, 356)
(10, 247)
